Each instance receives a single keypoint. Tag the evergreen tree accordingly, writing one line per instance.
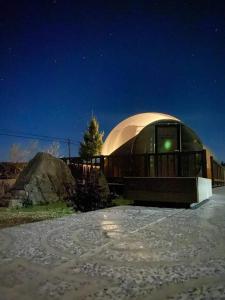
(92, 140)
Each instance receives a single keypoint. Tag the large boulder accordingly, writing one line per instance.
(45, 179)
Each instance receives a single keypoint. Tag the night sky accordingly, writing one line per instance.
(60, 60)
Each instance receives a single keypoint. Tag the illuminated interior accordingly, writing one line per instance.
(129, 128)
(151, 133)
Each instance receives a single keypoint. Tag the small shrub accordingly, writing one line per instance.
(27, 203)
(93, 194)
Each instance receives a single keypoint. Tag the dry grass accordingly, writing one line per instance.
(12, 217)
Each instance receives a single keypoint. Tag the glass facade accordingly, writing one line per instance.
(163, 148)
(165, 137)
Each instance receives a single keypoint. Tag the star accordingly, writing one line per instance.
(216, 29)
(84, 57)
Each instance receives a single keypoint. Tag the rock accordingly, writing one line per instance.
(15, 203)
(45, 179)
(5, 187)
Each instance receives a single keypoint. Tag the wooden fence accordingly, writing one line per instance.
(218, 173)
(175, 164)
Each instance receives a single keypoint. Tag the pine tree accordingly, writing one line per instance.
(92, 140)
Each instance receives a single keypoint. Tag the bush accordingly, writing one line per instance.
(27, 202)
(92, 194)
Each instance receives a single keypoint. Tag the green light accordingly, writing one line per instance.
(167, 145)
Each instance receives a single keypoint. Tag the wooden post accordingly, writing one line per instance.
(146, 163)
(156, 164)
(212, 172)
(204, 164)
(178, 154)
(102, 164)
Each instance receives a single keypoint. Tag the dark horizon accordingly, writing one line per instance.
(62, 60)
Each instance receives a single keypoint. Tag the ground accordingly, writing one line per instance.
(123, 252)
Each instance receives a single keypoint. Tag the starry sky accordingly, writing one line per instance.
(61, 60)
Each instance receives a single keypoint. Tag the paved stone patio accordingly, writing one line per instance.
(118, 253)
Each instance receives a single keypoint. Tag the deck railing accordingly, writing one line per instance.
(218, 173)
(175, 164)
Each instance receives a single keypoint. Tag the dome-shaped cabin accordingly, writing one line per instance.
(153, 144)
(151, 133)
(155, 157)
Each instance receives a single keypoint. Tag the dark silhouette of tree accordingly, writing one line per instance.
(93, 194)
(92, 140)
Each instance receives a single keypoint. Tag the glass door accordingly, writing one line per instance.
(167, 148)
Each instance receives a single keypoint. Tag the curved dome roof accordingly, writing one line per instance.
(129, 128)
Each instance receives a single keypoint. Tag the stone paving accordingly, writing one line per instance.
(124, 252)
